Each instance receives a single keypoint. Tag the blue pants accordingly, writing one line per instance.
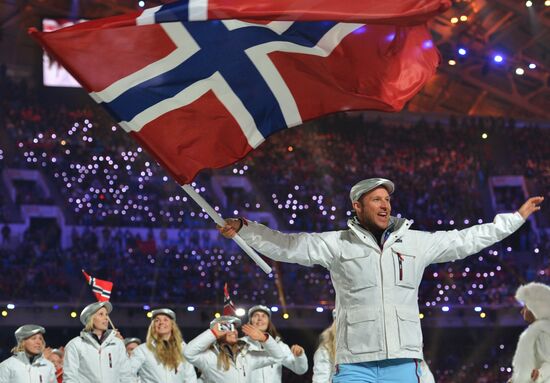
(383, 371)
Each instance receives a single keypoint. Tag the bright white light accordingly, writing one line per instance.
(477, 309)
(528, 3)
(532, 66)
(520, 71)
(141, 3)
(498, 58)
(445, 308)
(462, 51)
(10, 306)
(190, 308)
(274, 309)
(319, 309)
(240, 312)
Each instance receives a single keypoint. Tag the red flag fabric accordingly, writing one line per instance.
(101, 289)
(228, 306)
(203, 94)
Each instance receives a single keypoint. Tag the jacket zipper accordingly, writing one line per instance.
(383, 303)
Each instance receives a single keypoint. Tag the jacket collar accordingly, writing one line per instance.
(23, 357)
(89, 338)
(397, 226)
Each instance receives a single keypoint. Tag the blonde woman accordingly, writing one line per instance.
(97, 355)
(27, 365)
(223, 358)
(324, 357)
(295, 358)
(160, 359)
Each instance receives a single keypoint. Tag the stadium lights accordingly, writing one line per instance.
(240, 312)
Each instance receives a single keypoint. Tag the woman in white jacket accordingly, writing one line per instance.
(323, 359)
(160, 359)
(531, 361)
(97, 355)
(295, 358)
(27, 365)
(223, 358)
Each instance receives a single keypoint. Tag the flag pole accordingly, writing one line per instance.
(219, 220)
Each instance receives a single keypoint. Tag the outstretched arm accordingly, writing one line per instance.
(302, 248)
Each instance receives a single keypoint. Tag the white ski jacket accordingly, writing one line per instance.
(18, 369)
(144, 363)
(533, 352)
(199, 353)
(86, 361)
(377, 314)
(274, 372)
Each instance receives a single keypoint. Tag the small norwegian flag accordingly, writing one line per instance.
(228, 306)
(101, 289)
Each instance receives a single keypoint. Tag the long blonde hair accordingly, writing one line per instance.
(328, 341)
(225, 353)
(168, 353)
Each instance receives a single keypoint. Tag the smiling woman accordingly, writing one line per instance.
(161, 359)
(27, 363)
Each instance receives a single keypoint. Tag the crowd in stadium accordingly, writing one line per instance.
(106, 185)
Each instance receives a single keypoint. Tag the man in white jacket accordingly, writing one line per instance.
(27, 365)
(376, 267)
(531, 361)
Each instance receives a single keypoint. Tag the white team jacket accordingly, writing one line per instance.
(377, 314)
(274, 372)
(150, 370)
(323, 369)
(18, 369)
(199, 354)
(533, 352)
(88, 362)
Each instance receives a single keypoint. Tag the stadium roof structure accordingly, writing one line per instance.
(495, 54)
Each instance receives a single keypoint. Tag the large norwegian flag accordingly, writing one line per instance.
(202, 94)
(102, 289)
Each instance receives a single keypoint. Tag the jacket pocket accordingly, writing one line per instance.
(405, 269)
(363, 331)
(410, 334)
(359, 269)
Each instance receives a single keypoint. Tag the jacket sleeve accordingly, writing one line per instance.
(126, 373)
(445, 246)
(303, 248)
(189, 374)
(297, 364)
(196, 351)
(322, 367)
(275, 355)
(51, 374)
(543, 353)
(5, 373)
(136, 360)
(71, 364)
